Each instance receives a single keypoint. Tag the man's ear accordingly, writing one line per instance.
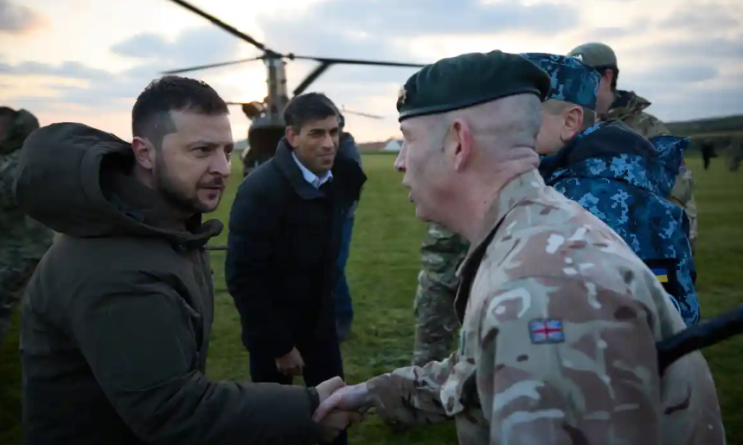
(144, 152)
(291, 136)
(458, 144)
(572, 122)
(608, 76)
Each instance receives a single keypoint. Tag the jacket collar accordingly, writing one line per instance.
(310, 177)
(525, 186)
(291, 171)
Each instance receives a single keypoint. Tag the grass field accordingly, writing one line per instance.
(382, 272)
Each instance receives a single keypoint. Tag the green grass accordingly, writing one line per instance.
(382, 273)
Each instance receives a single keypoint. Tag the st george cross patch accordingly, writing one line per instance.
(546, 331)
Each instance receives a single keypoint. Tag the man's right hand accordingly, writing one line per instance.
(355, 398)
(290, 364)
(335, 421)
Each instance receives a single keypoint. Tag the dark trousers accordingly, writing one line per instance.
(322, 359)
(343, 302)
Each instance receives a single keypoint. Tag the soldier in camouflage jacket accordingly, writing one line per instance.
(629, 108)
(559, 316)
(23, 241)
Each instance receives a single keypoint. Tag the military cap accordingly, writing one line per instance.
(467, 80)
(571, 80)
(595, 54)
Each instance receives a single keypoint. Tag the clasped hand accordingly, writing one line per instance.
(340, 406)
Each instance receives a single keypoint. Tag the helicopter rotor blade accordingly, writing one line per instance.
(211, 65)
(234, 31)
(311, 78)
(327, 62)
(358, 113)
(333, 60)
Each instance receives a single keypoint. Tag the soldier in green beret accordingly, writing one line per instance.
(559, 317)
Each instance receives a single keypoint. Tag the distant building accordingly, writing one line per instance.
(241, 145)
(388, 145)
(393, 145)
(372, 146)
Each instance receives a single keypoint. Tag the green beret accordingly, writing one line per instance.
(468, 80)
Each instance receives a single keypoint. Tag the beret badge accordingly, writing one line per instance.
(402, 95)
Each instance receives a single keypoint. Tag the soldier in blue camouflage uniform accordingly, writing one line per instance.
(617, 175)
(23, 241)
(628, 107)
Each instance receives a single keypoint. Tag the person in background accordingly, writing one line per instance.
(343, 302)
(23, 241)
(117, 318)
(284, 237)
(708, 152)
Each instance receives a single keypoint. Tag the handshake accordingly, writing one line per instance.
(340, 406)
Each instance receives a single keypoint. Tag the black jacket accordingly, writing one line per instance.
(117, 317)
(284, 238)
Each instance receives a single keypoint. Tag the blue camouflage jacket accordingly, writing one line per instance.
(625, 179)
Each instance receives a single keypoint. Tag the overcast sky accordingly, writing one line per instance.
(86, 61)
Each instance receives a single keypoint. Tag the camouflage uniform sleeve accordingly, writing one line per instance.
(436, 322)
(682, 195)
(565, 361)
(411, 395)
(7, 166)
(647, 125)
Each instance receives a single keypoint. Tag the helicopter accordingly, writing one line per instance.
(267, 123)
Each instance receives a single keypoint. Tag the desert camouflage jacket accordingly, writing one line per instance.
(559, 324)
(629, 108)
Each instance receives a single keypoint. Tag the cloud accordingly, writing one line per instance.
(669, 76)
(612, 33)
(382, 30)
(691, 50)
(715, 17)
(16, 18)
(385, 19)
(72, 70)
(685, 102)
(153, 54)
(197, 46)
(685, 78)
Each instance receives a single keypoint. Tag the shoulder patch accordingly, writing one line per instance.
(546, 331)
(665, 270)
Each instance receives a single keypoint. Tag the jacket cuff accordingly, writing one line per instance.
(314, 397)
(282, 345)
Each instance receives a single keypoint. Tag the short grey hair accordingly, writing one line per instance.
(513, 121)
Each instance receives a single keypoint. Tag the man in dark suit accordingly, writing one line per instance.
(284, 239)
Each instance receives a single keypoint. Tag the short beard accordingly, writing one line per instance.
(168, 189)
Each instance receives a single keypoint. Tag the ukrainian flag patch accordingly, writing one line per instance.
(661, 273)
